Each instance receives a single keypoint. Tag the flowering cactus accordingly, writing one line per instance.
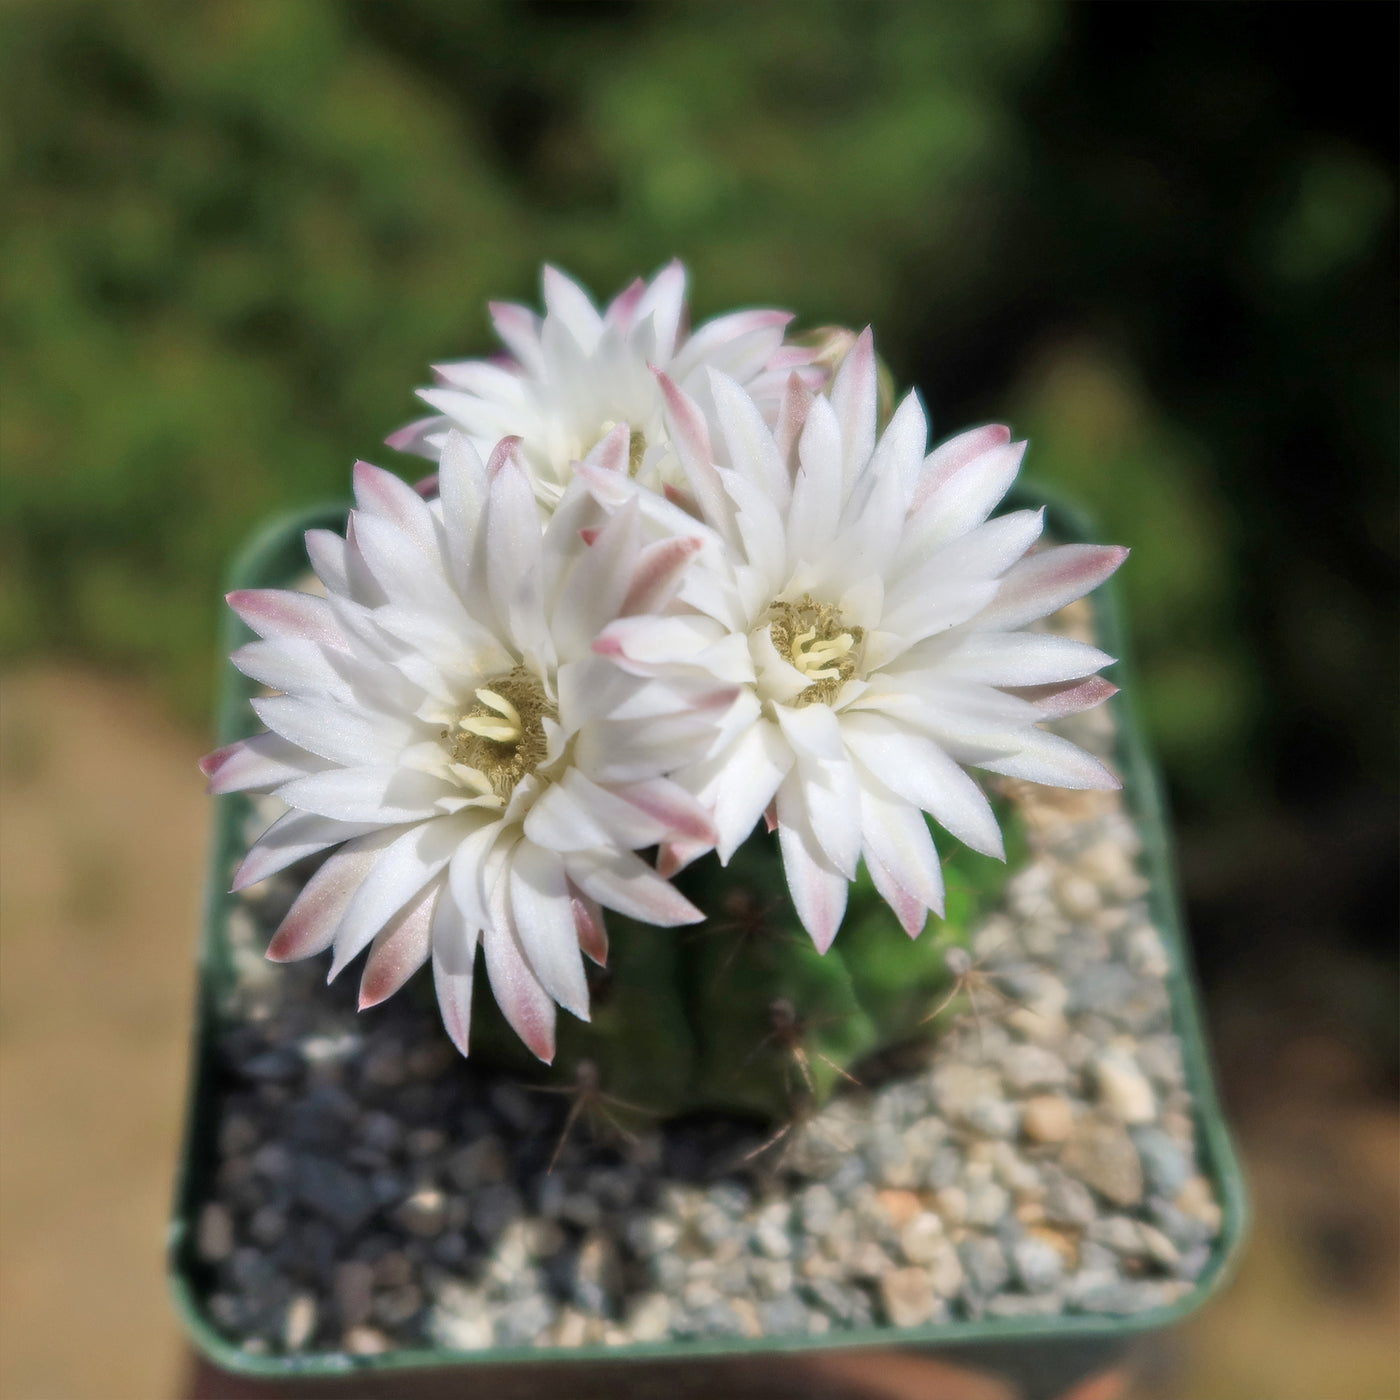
(665, 591)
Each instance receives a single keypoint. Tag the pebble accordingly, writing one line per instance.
(353, 1290)
(1030, 1067)
(424, 1213)
(1101, 1154)
(770, 1232)
(922, 1239)
(460, 1319)
(268, 1226)
(300, 1322)
(649, 1317)
(214, 1236)
(1038, 1265)
(987, 1204)
(984, 1264)
(1047, 1118)
(1067, 1202)
(1165, 1165)
(907, 1296)
(1123, 1087)
(333, 1192)
(366, 1341)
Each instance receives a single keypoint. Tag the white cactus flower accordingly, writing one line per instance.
(444, 721)
(876, 620)
(572, 375)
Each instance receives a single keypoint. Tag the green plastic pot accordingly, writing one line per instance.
(1032, 1348)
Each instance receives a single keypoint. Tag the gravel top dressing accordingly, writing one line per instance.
(374, 1192)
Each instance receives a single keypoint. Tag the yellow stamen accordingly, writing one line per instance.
(501, 738)
(505, 727)
(812, 637)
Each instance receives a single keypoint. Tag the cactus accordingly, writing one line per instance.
(741, 1014)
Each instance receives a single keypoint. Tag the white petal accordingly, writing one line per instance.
(400, 948)
(1047, 758)
(855, 397)
(965, 500)
(1022, 658)
(818, 889)
(1045, 582)
(260, 762)
(329, 730)
(381, 793)
(568, 303)
(623, 881)
(819, 490)
(381, 493)
(291, 664)
(399, 873)
(544, 921)
(279, 612)
(310, 924)
(897, 836)
(753, 453)
(916, 769)
(524, 1003)
(291, 838)
(454, 954)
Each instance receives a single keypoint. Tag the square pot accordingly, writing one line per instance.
(276, 558)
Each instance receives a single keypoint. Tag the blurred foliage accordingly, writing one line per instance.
(1159, 240)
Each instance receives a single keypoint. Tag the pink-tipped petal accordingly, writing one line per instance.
(656, 575)
(691, 439)
(1045, 581)
(503, 452)
(950, 457)
(623, 881)
(413, 437)
(310, 924)
(263, 761)
(519, 329)
(911, 914)
(291, 838)
(673, 856)
(1056, 701)
(569, 304)
(683, 499)
(855, 395)
(523, 1002)
(279, 612)
(588, 924)
(543, 916)
(454, 956)
(818, 890)
(389, 497)
(428, 486)
(400, 948)
(670, 804)
(770, 816)
(612, 452)
(622, 309)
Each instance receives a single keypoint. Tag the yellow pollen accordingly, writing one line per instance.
(812, 636)
(501, 738)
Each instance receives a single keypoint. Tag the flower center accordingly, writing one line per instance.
(501, 738)
(815, 639)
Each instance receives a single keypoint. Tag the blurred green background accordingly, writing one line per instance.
(1159, 241)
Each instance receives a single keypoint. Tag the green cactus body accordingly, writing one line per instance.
(741, 1014)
